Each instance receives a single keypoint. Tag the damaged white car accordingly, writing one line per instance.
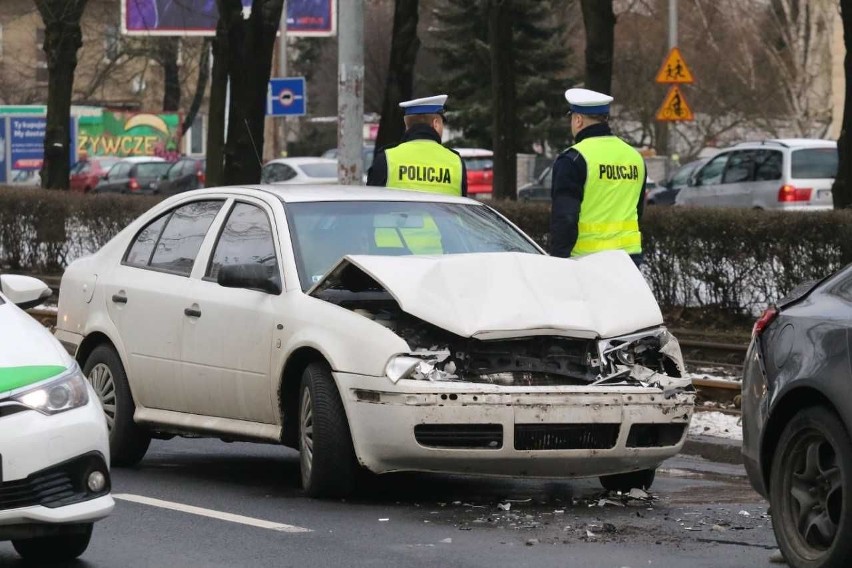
(375, 330)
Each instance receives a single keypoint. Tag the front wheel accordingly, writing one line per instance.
(809, 490)
(326, 455)
(128, 441)
(624, 482)
(52, 549)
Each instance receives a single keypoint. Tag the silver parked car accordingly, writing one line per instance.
(788, 174)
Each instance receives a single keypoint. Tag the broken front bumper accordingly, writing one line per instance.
(457, 427)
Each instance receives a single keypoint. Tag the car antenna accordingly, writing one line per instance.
(253, 145)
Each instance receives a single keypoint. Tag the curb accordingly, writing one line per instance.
(714, 449)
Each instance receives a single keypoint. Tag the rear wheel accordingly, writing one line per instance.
(326, 455)
(128, 441)
(624, 482)
(51, 549)
(809, 490)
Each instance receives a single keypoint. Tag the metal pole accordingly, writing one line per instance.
(350, 92)
(669, 127)
(282, 72)
(672, 23)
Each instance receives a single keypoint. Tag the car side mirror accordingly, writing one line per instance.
(24, 291)
(252, 275)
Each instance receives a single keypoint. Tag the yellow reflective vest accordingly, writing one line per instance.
(424, 165)
(615, 180)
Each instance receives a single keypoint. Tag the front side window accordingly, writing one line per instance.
(246, 238)
(323, 232)
(178, 243)
(712, 173)
(175, 171)
(120, 170)
(740, 166)
(319, 170)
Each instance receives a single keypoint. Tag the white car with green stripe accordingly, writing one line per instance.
(54, 450)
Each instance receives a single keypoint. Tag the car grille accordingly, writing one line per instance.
(54, 487)
(480, 436)
(40, 489)
(654, 435)
(565, 436)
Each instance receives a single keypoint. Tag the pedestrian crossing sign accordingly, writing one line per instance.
(674, 69)
(674, 107)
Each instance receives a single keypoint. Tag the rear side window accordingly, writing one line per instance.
(171, 242)
(143, 245)
(814, 163)
(767, 165)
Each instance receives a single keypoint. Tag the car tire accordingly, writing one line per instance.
(809, 490)
(326, 455)
(624, 482)
(52, 549)
(128, 441)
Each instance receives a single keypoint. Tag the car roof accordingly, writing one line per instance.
(134, 159)
(311, 193)
(789, 143)
(474, 152)
(302, 161)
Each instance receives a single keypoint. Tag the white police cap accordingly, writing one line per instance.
(584, 101)
(426, 105)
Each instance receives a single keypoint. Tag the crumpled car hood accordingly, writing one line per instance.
(503, 295)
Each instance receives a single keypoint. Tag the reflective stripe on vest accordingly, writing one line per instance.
(615, 179)
(424, 165)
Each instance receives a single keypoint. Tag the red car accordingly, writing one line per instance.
(479, 164)
(86, 174)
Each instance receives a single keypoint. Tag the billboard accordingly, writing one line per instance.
(198, 17)
(120, 133)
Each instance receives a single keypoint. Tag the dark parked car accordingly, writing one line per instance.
(797, 414)
(133, 177)
(539, 190)
(665, 193)
(184, 175)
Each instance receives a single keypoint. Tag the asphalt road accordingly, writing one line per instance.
(205, 503)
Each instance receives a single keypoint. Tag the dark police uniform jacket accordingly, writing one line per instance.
(570, 172)
(378, 173)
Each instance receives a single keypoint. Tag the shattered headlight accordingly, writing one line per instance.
(56, 395)
(421, 366)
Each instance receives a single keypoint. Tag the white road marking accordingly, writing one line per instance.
(222, 516)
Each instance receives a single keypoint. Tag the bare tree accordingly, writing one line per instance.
(842, 188)
(599, 20)
(400, 79)
(250, 43)
(504, 123)
(62, 39)
(165, 52)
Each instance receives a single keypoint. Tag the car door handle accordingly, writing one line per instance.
(192, 312)
(119, 299)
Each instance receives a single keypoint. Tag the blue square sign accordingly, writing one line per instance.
(286, 97)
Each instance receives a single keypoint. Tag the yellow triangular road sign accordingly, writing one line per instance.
(674, 107)
(674, 69)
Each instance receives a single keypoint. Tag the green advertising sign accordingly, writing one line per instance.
(127, 133)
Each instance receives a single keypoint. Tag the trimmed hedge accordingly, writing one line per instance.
(733, 260)
(43, 231)
(736, 260)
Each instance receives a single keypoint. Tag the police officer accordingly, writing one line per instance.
(598, 185)
(420, 162)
